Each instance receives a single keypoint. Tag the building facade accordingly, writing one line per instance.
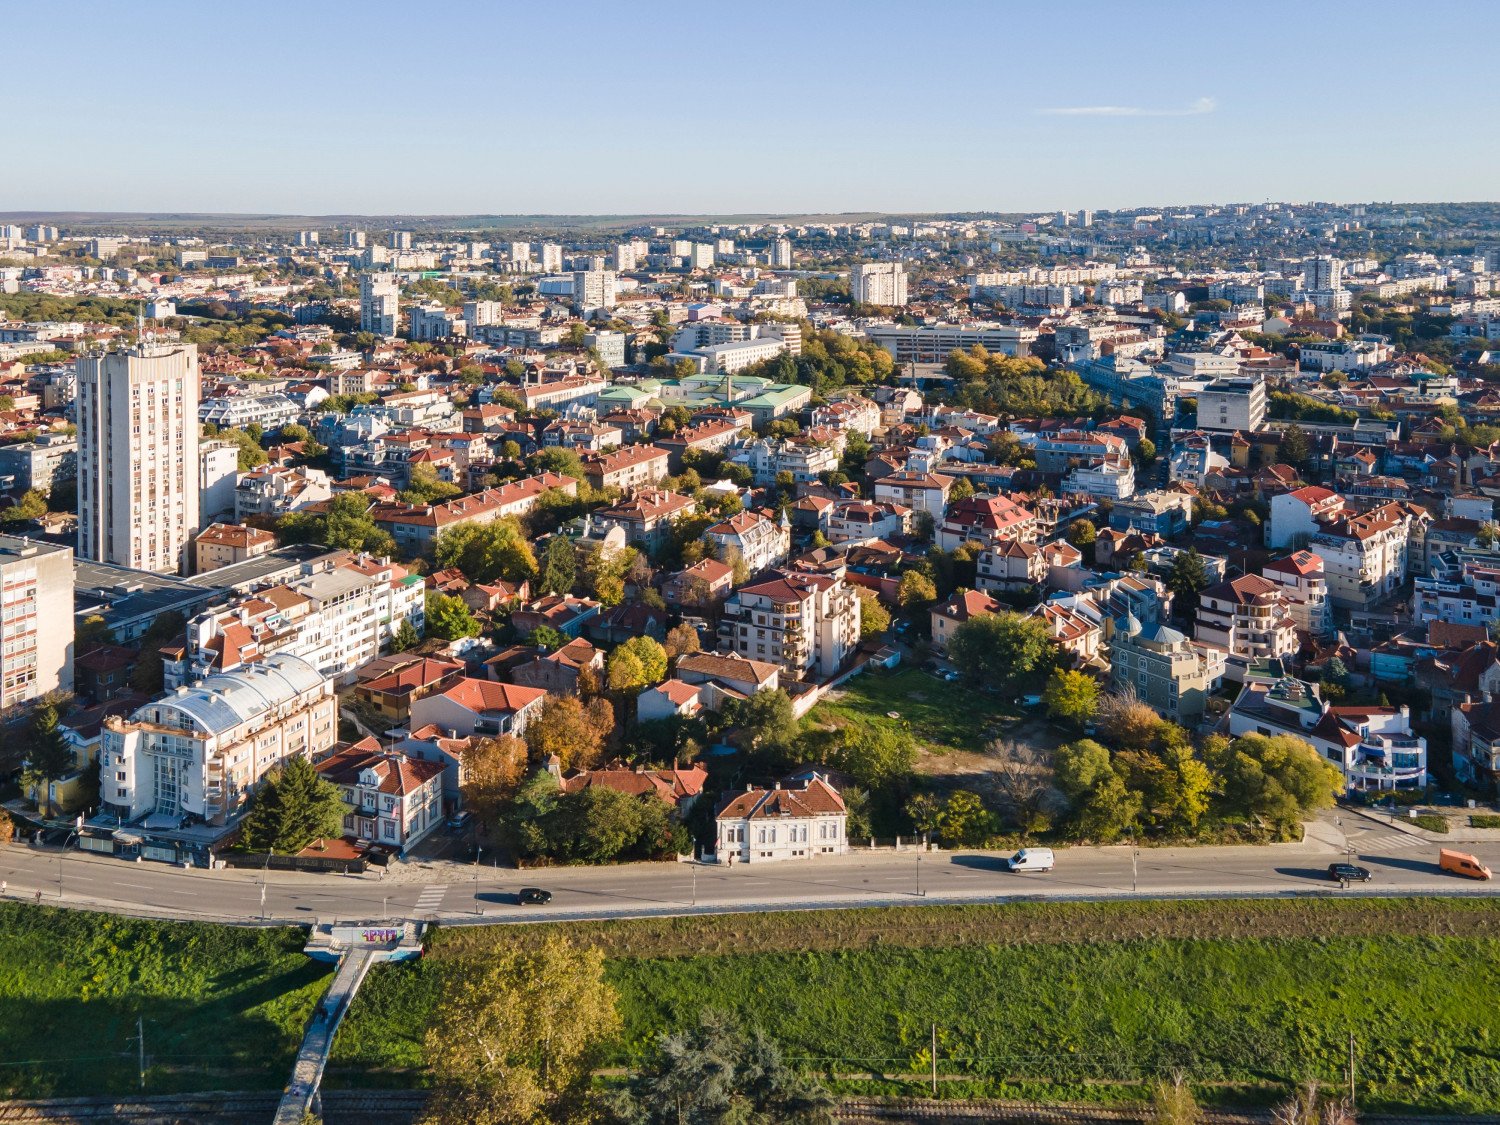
(36, 621)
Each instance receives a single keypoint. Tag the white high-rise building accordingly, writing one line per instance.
(307, 238)
(551, 257)
(355, 240)
(878, 283)
(1322, 272)
(35, 619)
(138, 461)
(593, 289)
(781, 254)
(520, 251)
(379, 304)
(702, 256)
(400, 240)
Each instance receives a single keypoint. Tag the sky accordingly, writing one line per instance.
(320, 107)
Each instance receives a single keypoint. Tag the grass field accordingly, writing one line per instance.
(947, 717)
(1075, 1001)
(224, 1008)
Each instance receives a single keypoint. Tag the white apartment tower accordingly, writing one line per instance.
(307, 238)
(354, 240)
(593, 289)
(400, 240)
(878, 283)
(138, 460)
(35, 619)
(520, 251)
(781, 254)
(379, 304)
(1322, 272)
(551, 257)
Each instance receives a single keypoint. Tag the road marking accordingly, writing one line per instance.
(431, 897)
(1389, 840)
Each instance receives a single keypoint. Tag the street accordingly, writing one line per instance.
(457, 894)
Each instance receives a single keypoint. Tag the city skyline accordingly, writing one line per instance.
(291, 116)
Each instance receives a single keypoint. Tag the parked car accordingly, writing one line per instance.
(1348, 873)
(459, 821)
(1030, 859)
(1461, 863)
(1030, 701)
(534, 896)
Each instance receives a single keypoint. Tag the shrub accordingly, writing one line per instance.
(1484, 820)
(1431, 821)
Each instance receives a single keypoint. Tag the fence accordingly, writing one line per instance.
(312, 863)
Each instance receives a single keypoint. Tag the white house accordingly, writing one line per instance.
(392, 800)
(766, 824)
(473, 706)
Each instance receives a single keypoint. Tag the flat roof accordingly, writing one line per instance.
(283, 562)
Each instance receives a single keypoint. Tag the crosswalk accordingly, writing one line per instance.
(1385, 842)
(431, 898)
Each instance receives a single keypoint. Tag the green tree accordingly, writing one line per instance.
(1072, 697)
(1276, 778)
(1145, 451)
(1082, 533)
(49, 757)
(1081, 766)
(966, 820)
(559, 566)
(517, 1036)
(146, 677)
(423, 487)
(92, 632)
(763, 720)
(718, 1073)
(405, 638)
(545, 636)
(292, 808)
(875, 755)
(874, 618)
(925, 812)
(1002, 650)
(251, 455)
(916, 590)
(1187, 579)
(345, 526)
(448, 617)
(1295, 448)
(486, 552)
(31, 506)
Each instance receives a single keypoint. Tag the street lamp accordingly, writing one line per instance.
(478, 910)
(60, 855)
(693, 867)
(920, 892)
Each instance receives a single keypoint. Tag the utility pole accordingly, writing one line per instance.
(934, 1060)
(140, 1046)
(693, 867)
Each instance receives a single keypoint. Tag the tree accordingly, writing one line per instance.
(641, 661)
(1277, 778)
(92, 632)
(1145, 451)
(1127, 722)
(1309, 1106)
(345, 526)
(1295, 448)
(877, 756)
(7, 828)
(874, 618)
(1082, 533)
(449, 618)
(405, 638)
(291, 809)
(1026, 783)
(49, 757)
(559, 566)
(32, 505)
(1186, 580)
(1072, 697)
(518, 1035)
(965, 819)
(1001, 649)
(423, 487)
(764, 720)
(1172, 1103)
(493, 771)
(925, 812)
(1081, 766)
(487, 552)
(146, 676)
(571, 731)
(545, 636)
(682, 640)
(718, 1073)
(916, 589)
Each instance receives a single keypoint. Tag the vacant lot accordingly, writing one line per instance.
(944, 717)
(224, 1008)
(1074, 1001)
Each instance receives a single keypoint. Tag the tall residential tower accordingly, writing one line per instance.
(138, 456)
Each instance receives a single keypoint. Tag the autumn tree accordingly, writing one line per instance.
(874, 618)
(1003, 650)
(1071, 697)
(635, 664)
(518, 1035)
(486, 552)
(966, 820)
(916, 590)
(682, 640)
(572, 731)
(493, 770)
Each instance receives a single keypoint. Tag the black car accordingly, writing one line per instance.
(1348, 873)
(534, 896)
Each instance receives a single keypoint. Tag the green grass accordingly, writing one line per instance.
(1484, 820)
(1083, 1001)
(224, 1008)
(943, 715)
(1431, 821)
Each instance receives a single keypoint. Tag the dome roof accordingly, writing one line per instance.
(1167, 635)
(1131, 625)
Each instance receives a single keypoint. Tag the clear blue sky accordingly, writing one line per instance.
(634, 106)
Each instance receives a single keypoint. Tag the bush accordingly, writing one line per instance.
(1484, 820)
(1432, 822)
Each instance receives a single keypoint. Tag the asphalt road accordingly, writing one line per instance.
(455, 893)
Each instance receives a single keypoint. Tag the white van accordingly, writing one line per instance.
(1030, 859)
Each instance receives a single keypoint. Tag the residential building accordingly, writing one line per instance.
(921, 492)
(198, 752)
(38, 464)
(593, 290)
(218, 469)
(1162, 668)
(36, 622)
(933, 343)
(393, 801)
(1364, 556)
(273, 491)
(627, 469)
(1236, 403)
(1248, 617)
(1165, 514)
(1304, 590)
(988, 520)
(963, 605)
(1298, 515)
(557, 673)
(138, 458)
(1012, 565)
(761, 541)
(469, 706)
(379, 304)
(1373, 747)
(221, 544)
(677, 788)
(390, 684)
(563, 612)
(760, 825)
(855, 521)
(647, 517)
(731, 673)
(415, 527)
(878, 283)
(806, 623)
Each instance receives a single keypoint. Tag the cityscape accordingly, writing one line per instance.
(1017, 652)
